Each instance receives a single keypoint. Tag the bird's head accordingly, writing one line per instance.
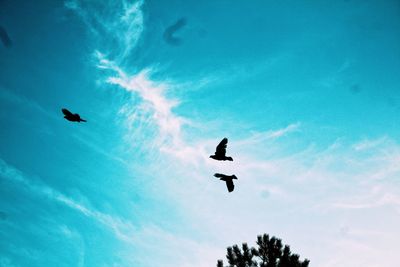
(234, 177)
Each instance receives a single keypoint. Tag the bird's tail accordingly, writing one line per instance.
(229, 158)
(82, 120)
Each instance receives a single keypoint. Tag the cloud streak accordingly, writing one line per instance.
(301, 184)
(123, 230)
(156, 108)
(115, 25)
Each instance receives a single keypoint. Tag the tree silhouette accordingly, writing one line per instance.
(240, 258)
(269, 253)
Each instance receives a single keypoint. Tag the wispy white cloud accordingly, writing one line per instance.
(270, 135)
(150, 240)
(99, 149)
(301, 186)
(159, 246)
(368, 144)
(305, 183)
(378, 196)
(334, 79)
(22, 101)
(155, 107)
(169, 124)
(116, 25)
(123, 229)
(78, 242)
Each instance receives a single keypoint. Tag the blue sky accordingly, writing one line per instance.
(307, 93)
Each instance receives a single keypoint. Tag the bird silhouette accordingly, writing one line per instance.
(228, 180)
(220, 151)
(169, 33)
(5, 39)
(71, 117)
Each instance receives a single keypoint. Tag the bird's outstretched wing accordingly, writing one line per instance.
(227, 179)
(230, 185)
(221, 148)
(66, 112)
(219, 175)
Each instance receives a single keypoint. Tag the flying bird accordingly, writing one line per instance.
(5, 39)
(228, 180)
(71, 117)
(169, 33)
(220, 151)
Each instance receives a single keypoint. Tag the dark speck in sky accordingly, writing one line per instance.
(169, 33)
(5, 39)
